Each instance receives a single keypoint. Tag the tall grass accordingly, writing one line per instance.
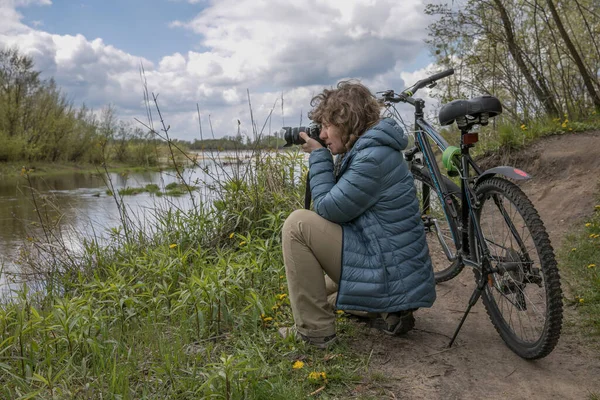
(186, 308)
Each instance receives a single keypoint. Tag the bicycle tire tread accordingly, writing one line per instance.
(553, 325)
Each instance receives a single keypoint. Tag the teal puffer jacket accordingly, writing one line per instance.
(385, 259)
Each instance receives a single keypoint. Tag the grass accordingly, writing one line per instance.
(581, 265)
(504, 136)
(16, 169)
(190, 311)
(172, 189)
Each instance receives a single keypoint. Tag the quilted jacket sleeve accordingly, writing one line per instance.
(355, 192)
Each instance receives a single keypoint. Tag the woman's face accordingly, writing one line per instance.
(332, 136)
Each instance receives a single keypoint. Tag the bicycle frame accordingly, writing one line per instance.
(423, 131)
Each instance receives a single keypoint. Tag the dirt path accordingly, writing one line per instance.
(419, 365)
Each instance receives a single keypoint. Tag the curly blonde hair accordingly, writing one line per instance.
(350, 107)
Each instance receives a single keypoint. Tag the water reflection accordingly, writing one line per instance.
(81, 207)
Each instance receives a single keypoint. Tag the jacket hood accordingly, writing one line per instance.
(386, 132)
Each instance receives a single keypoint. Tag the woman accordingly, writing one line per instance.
(366, 232)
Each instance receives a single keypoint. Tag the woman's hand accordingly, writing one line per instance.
(311, 144)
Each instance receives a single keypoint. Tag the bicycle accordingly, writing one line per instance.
(514, 265)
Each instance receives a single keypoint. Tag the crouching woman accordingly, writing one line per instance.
(365, 241)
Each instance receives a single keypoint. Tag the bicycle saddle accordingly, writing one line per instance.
(470, 109)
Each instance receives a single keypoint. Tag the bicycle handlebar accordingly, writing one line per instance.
(406, 95)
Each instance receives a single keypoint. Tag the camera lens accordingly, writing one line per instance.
(292, 135)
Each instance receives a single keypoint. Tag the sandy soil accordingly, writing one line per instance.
(419, 365)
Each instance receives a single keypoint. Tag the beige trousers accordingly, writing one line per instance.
(312, 246)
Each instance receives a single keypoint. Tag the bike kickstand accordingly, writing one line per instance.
(472, 301)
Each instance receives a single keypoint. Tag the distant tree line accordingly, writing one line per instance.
(39, 123)
(237, 142)
(540, 57)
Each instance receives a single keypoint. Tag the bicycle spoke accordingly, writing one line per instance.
(520, 301)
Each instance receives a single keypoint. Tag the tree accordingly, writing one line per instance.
(515, 51)
(585, 76)
(18, 81)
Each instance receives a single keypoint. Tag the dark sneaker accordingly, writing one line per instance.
(397, 323)
(319, 342)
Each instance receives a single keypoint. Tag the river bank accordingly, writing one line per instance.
(40, 168)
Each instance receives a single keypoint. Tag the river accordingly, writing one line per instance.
(83, 207)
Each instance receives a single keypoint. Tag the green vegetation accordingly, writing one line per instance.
(190, 312)
(237, 142)
(40, 126)
(581, 262)
(172, 189)
(539, 58)
(506, 136)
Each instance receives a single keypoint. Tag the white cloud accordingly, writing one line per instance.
(265, 46)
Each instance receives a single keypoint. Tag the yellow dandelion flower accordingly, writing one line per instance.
(282, 296)
(231, 235)
(314, 376)
(591, 265)
(267, 319)
(172, 246)
(281, 276)
(588, 224)
(597, 207)
(298, 365)
(340, 311)
(564, 125)
(574, 249)
(275, 307)
(243, 242)
(317, 376)
(581, 300)
(592, 235)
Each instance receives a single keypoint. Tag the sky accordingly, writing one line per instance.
(210, 55)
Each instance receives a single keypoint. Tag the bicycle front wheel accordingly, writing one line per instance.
(438, 226)
(524, 298)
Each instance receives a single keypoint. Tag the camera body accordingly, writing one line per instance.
(292, 134)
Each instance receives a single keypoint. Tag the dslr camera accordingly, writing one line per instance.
(292, 135)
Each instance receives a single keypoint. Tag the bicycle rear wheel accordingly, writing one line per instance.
(523, 299)
(438, 227)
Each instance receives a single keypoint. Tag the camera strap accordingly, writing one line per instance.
(307, 196)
